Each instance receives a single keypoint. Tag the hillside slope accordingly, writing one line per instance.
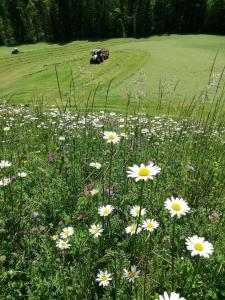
(167, 67)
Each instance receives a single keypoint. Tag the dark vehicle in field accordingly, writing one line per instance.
(98, 55)
(15, 51)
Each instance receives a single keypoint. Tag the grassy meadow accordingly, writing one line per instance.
(113, 190)
(166, 69)
(57, 233)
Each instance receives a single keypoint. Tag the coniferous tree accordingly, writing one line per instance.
(30, 21)
(215, 16)
(160, 16)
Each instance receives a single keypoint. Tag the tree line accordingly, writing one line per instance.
(31, 21)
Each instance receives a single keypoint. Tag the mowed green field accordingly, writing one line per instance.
(166, 69)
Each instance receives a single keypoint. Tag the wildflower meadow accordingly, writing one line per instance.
(98, 205)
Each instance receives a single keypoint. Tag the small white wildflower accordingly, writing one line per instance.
(5, 181)
(172, 296)
(143, 172)
(96, 230)
(149, 225)
(22, 174)
(199, 246)
(103, 278)
(94, 192)
(63, 244)
(95, 165)
(104, 211)
(132, 274)
(132, 229)
(177, 207)
(67, 231)
(111, 137)
(136, 211)
(5, 164)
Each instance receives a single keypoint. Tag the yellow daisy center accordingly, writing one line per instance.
(176, 207)
(149, 225)
(199, 247)
(133, 228)
(132, 274)
(96, 230)
(63, 244)
(106, 211)
(67, 232)
(104, 278)
(137, 211)
(144, 172)
(111, 136)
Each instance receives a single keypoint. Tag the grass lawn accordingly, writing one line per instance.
(163, 69)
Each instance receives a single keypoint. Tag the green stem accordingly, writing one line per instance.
(196, 269)
(172, 252)
(21, 202)
(141, 204)
(146, 264)
(139, 218)
(64, 277)
(131, 289)
(103, 241)
(115, 274)
(103, 187)
(110, 231)
(5, 202)
(125, 165)
(110, 169)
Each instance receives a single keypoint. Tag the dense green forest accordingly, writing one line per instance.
(30, 21)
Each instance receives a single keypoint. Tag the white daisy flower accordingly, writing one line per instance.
(198, 246)
(149, 225)
(177, 207)
(96, 230)
(143, 172)
(5, 181)
(133, 228)
(172, 296)
(63, 244)
(67, 231)
(111, 137)
(61, 138)
(104, 211)
(136, 211)
(124, 135)
(94, 192)
(5, 164)
(22, 174)
(103, 278)
(95, 165)
(132, 274)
